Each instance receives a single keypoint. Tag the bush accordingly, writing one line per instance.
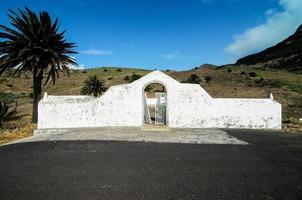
(296, 88)
(252, 74)
(193, 79)
(84, 72)
(276, 83)
(134, 77)
(105, 70)
(258, 81)
(5, 112)
(289, 120)
(119, 70)
(242, 73)
(229, 71)
(261, 82)
(207, 79)
(127, 78)
(110, 78)
(9, 85)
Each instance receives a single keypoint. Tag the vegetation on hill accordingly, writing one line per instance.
(193, 78)
(285, 55)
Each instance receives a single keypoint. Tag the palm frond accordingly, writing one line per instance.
(35, 44)
(94, 85)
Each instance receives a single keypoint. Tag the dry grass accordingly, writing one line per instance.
(8, 134)
(295, 126)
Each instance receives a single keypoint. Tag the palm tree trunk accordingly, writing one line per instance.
(37, 89)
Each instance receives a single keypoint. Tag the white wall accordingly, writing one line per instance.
(188, 105)
(151, 101)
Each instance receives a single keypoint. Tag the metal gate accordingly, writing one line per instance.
(160, 108)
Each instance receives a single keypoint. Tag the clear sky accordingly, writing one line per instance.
(167, 34)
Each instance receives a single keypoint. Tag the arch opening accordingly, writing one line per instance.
(155, 104)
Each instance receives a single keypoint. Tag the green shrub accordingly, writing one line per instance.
(127, 78)
(208, 79)
(193, 78)
(289, 120)
(252, 74)
(119, 70)
(259, 81)
(7, 113)
(110, 78)
(275, 83)
(296, 87)
(9, 97)
(105, 70)
(134, 77)
(242, 73)
(229, 70)
(84, 72)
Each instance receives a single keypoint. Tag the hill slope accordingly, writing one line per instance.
(286, 54)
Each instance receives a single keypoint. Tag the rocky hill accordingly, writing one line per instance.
(284, 55)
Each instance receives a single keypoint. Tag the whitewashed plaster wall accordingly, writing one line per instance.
(188, 105)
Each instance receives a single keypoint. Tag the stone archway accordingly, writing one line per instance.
(155, 104)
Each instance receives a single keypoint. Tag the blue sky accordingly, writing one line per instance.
(167, 34)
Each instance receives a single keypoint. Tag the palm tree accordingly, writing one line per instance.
(94, 85)
(34, 45)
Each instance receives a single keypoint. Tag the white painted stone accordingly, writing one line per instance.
(188, 106)
(45, 96)
(151, 101)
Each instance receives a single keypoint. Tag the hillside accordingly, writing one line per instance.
(286, 54)
(229, 81)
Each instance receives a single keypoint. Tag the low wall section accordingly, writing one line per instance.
(188, 106)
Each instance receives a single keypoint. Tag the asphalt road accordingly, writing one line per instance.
(269, 168)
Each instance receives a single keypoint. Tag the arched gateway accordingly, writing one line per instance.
(187, 106)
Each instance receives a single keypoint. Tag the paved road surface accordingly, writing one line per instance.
(269, 168)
